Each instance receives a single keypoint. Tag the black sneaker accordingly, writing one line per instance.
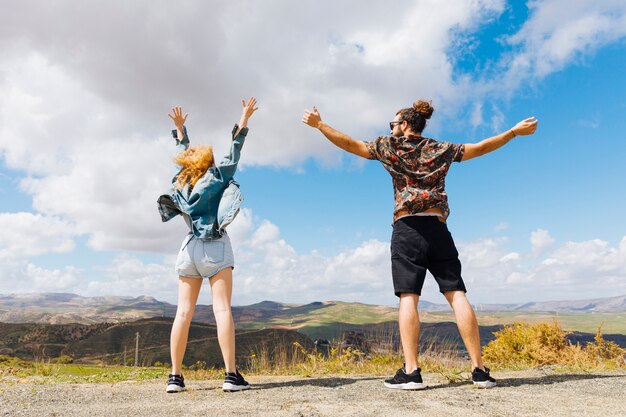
(482, 379)
(403, 381)
(175, 383)
(234, 381)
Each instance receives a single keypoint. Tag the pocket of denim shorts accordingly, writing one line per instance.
(213, 252)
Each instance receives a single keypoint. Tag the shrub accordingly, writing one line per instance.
(10, 365)
(522, 344)
(63, 359)
(10, 361)
(45, 369)
(198, 366)
(604, 352)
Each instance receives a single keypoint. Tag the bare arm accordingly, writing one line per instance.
(248, 110)
(339, 139)
(228, 165)
(525, 127)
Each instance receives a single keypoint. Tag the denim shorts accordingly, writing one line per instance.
(203, 258)
(420, 244)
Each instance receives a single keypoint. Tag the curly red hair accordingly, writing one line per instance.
(194, 162)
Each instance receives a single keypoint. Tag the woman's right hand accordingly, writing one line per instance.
(248, 108)
(177, 117)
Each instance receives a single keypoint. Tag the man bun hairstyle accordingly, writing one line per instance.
(417, 114)
(424, 108)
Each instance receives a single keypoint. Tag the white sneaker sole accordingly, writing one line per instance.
(174, 388)
(406, 385)
(484, 384)
(228, 387)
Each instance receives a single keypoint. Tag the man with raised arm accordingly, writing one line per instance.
(420, 240)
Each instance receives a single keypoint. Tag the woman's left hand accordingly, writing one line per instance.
(177, 117)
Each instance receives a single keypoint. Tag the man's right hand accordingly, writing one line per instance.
(177, 117)
(312, 118)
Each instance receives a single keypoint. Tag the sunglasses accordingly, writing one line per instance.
(392, 124)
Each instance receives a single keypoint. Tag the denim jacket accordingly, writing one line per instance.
(215, 199)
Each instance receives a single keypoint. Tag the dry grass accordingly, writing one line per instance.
(14, 370)
(517, 346)
(522, 345)
(350, 361)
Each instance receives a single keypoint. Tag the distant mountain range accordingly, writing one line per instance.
(595, 305)
(65, 308)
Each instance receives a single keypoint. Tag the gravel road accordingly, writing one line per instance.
(520, 393)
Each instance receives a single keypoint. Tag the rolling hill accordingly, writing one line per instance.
(114, 343)
(326, 319)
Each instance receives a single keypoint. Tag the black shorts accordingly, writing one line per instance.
(421, 243)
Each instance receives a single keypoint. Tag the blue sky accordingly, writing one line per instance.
(84, 147)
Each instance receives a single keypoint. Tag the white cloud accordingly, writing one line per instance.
(123, 81)
(477, 115)
(497, 119)
(52, 280)
(510, 257)
(272, 269)
(501, 226)
(110, 192)
(25, 235)
(267, 232)
(480, 252)
(83, 111)
(136, 278)
(559, 32)
(268, 267)
(86, 91)
(540, 240)
(571, 270)
(18, 276)
(84, 172)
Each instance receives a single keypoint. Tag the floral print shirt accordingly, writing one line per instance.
(418, 168)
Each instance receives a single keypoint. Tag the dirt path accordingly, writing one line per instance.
(523, 393)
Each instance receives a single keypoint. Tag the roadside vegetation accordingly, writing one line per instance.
(517, 346)
(18, 370)
(522, 345)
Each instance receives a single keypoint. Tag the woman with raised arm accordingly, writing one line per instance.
(205, 194)
(420, 240)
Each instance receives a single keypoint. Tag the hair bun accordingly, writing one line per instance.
(424, 108)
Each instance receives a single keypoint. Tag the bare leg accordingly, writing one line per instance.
(222, 288)
(409, 322)
(468, 325)
(188, 290)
